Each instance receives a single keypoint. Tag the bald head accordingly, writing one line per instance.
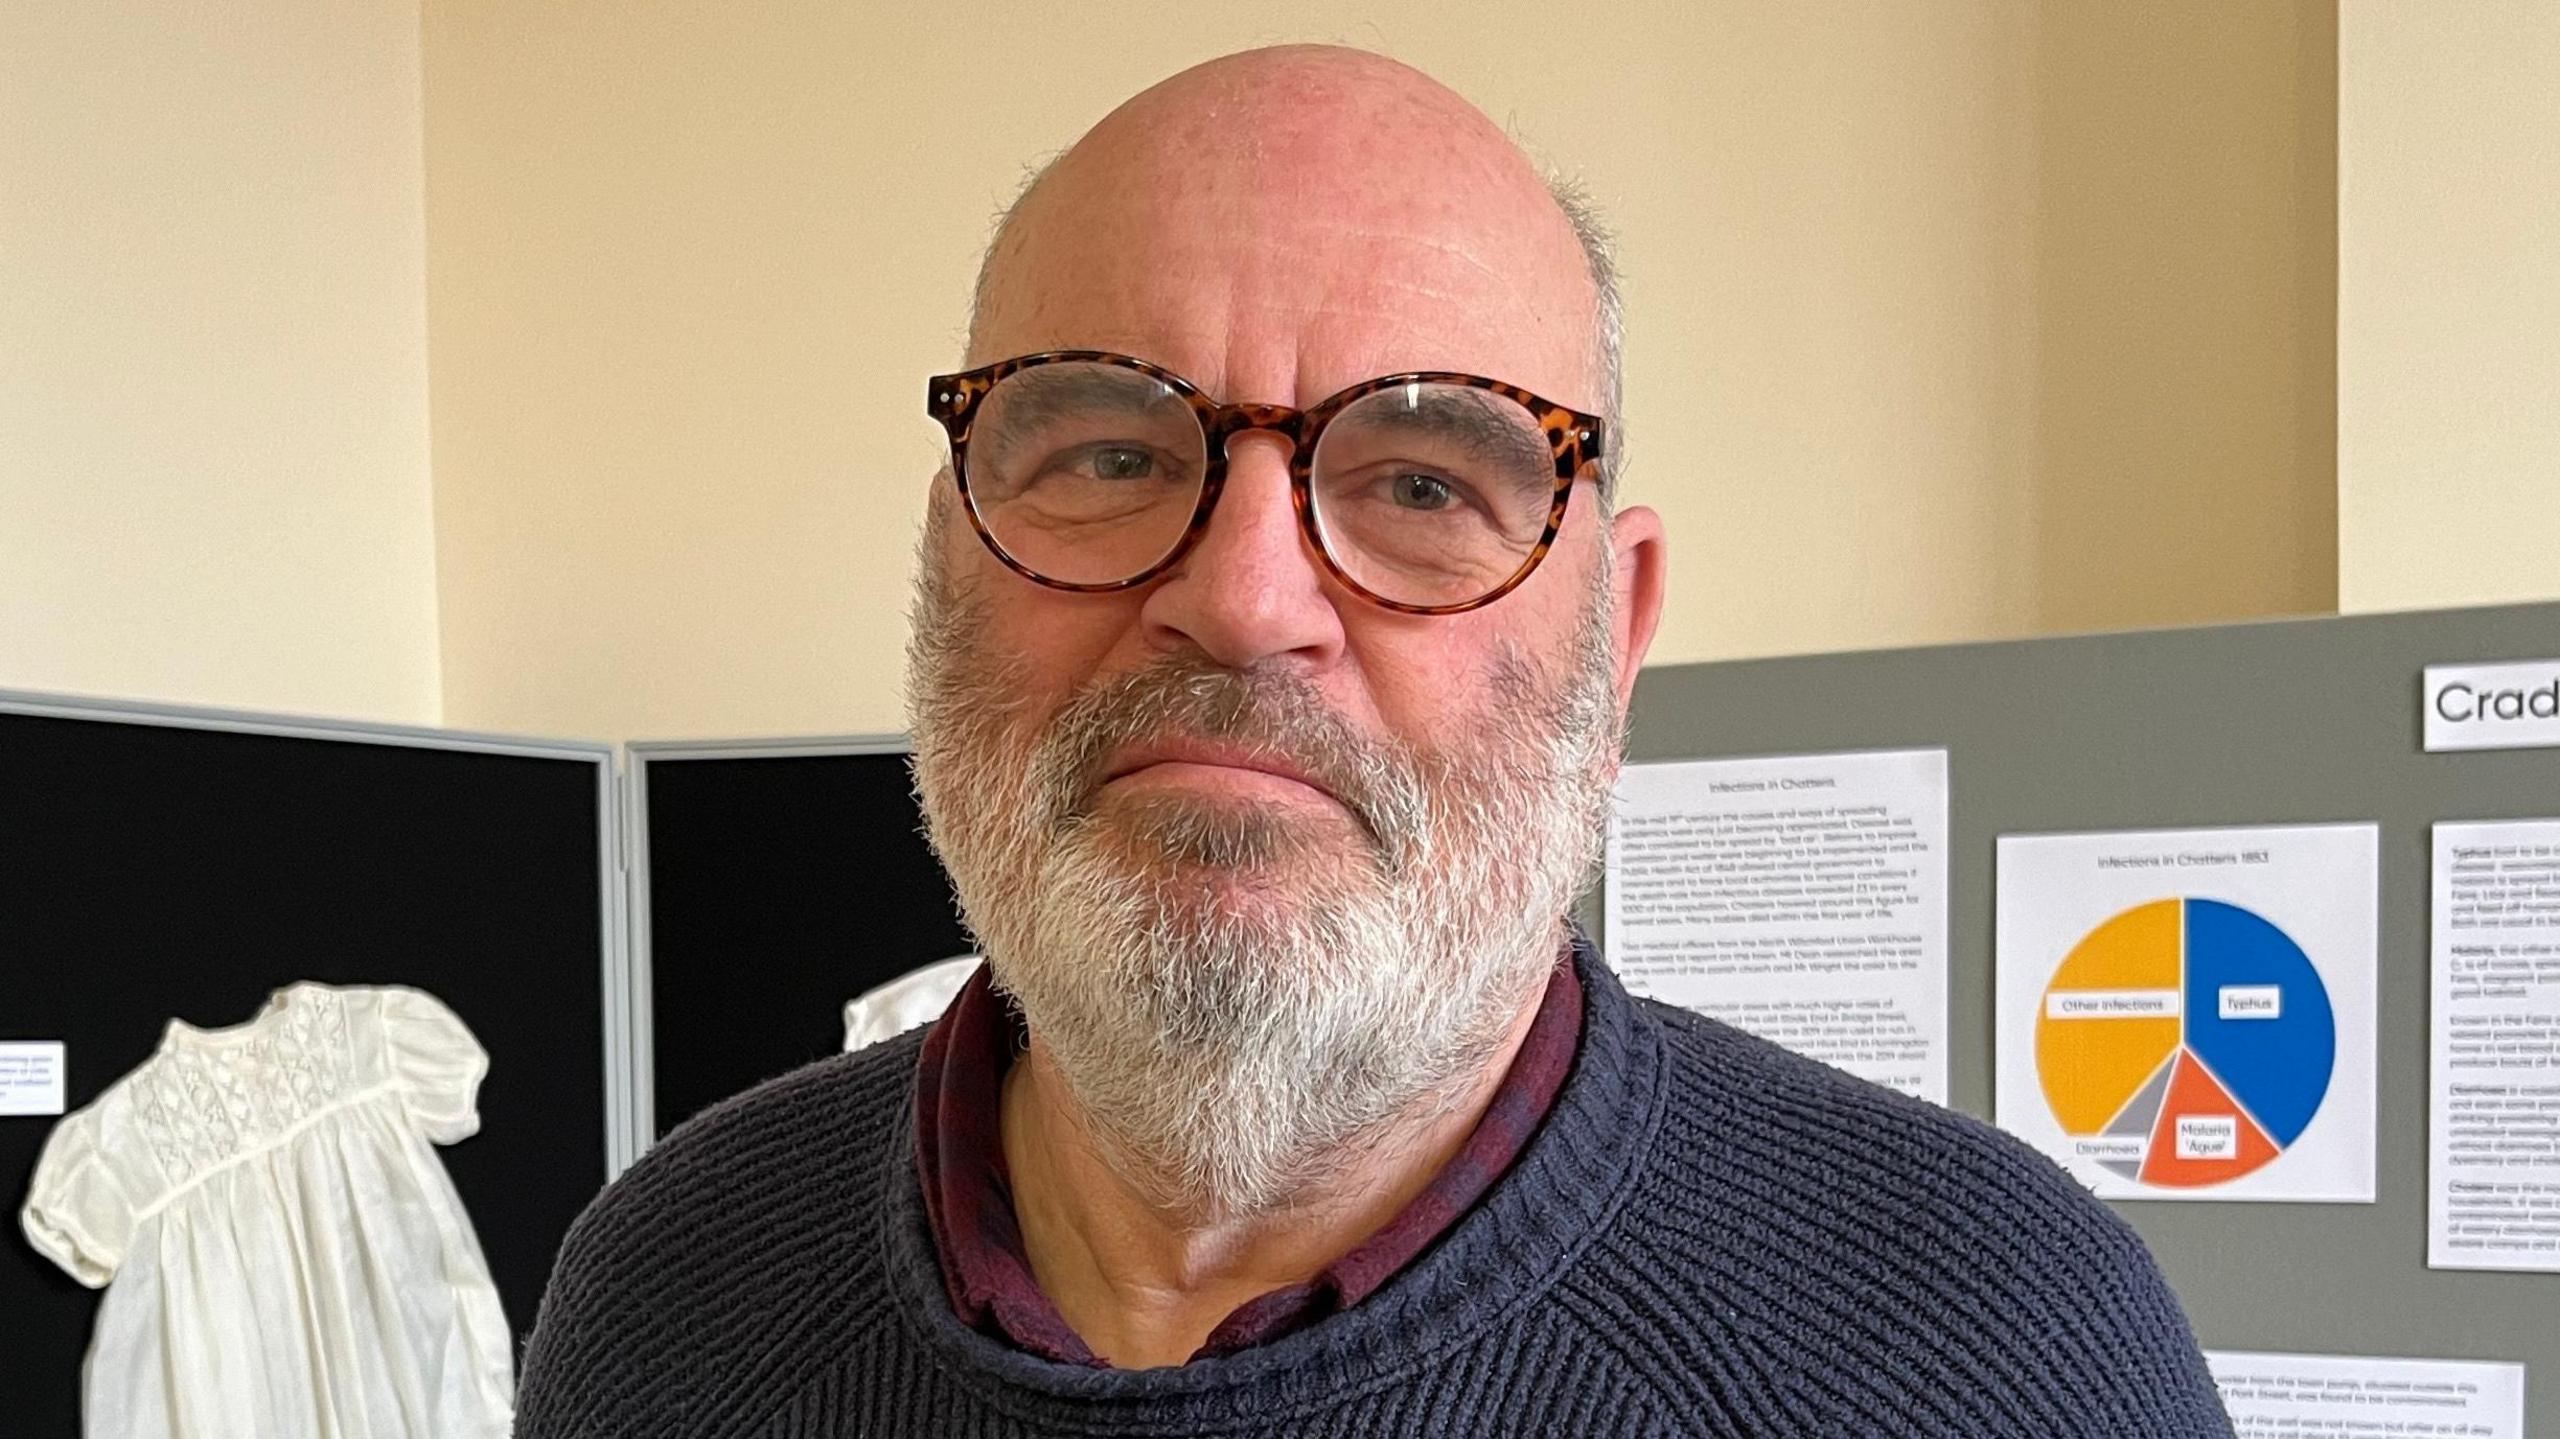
(1283, 220)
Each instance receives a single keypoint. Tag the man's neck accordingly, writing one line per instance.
(1143, 1287)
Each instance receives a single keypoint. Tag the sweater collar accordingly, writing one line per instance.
(1499, 1256)
(968, 1195)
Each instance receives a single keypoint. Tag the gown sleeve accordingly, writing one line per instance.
(436, 1062)
(79, 1214)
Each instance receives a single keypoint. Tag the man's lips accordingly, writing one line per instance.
(1146, 757)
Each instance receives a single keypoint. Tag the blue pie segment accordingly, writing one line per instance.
(2258, 1016)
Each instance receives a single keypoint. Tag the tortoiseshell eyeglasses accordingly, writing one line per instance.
(1430, 493)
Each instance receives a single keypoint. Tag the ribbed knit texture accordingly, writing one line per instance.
(1709, 1236)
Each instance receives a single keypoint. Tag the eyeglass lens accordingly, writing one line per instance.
(1424, 494)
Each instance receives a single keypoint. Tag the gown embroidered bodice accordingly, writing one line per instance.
(282, 1251)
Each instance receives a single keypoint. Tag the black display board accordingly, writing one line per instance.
(151, 870)
(770, 887)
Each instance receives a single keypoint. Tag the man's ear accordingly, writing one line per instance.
(1639, 555)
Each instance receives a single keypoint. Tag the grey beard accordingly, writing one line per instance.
(1241, 1001)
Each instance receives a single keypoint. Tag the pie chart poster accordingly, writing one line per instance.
(2189, 1014)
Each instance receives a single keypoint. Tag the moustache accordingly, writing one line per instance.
(1275, 716)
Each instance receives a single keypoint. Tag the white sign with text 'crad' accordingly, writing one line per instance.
(2503, 706)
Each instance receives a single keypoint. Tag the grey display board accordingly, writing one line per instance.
(2290, 722)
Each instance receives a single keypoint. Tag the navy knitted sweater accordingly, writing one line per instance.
(1708, 1236)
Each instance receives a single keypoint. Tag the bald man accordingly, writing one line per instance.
(1274, 633)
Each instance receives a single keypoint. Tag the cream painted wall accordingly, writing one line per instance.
(1953, 321)
(2185, 290)
(2449, 303)
(1949, 321)
(213, 434)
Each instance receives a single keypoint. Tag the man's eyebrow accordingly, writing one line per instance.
(1483, 423)
(1044, 391)
(1078, 391)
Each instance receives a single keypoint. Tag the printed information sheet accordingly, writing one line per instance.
(2335, 1396)
(2493, 1125)
(2189, 1014)
(1803, 898)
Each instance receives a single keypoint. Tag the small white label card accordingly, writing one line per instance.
(2507, 706)
(31, 1076)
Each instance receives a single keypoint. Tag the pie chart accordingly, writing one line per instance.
(2185, 1042)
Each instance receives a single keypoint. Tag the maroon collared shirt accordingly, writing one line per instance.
(968, 1196)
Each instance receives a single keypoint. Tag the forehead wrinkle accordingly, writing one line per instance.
(1464, 250)
(1450, 227)
(1208, 350)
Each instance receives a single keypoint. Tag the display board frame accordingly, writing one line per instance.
(621, 1133)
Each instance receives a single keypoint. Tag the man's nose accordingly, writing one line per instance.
(1253, 589)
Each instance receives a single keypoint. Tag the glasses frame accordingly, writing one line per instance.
(1578, 440)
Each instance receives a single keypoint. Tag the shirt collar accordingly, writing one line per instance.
(968, 1196)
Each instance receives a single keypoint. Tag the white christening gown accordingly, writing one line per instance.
(287, 1254)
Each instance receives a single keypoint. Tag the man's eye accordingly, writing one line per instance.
(1421, 492)
(1120, 462)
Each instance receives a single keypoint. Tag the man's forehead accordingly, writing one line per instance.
(1276, 234)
